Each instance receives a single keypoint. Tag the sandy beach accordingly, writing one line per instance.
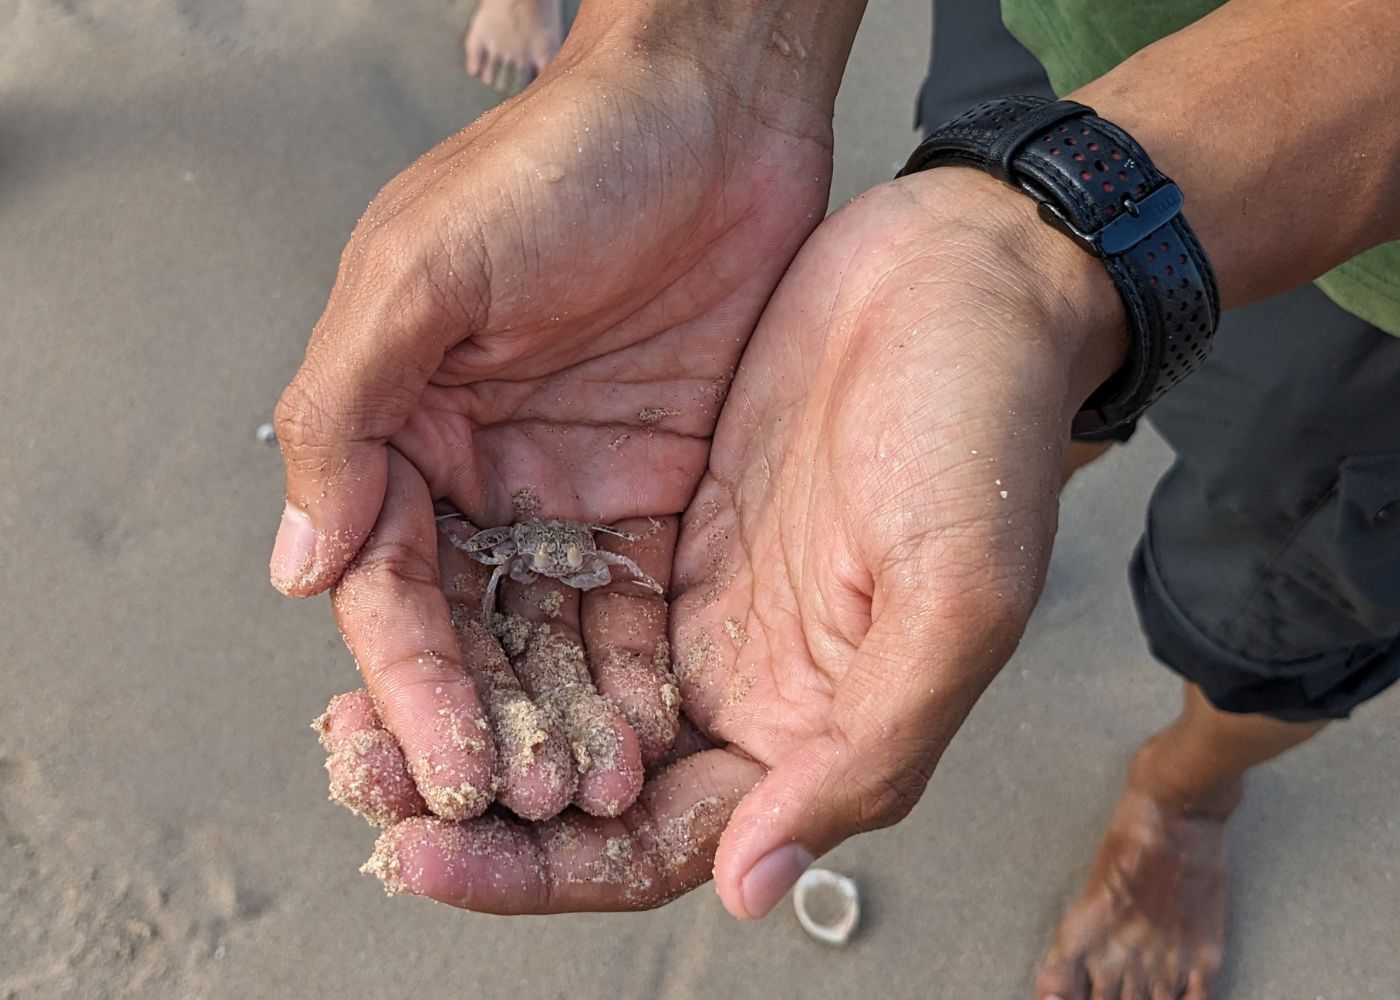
(177, 178)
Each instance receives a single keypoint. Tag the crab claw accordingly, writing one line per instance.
(481, 541)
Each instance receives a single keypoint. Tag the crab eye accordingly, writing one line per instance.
(541, 559)
(574, 556)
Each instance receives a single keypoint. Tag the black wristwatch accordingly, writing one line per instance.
(1095, 184)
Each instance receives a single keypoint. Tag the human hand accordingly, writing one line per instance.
(873, 530)
(859, 561)
(544, 311)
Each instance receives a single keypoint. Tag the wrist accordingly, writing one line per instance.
(1073, 313)
(781, 64)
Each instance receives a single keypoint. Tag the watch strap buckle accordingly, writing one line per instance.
(1140, 218)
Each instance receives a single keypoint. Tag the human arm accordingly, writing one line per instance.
(1278, 120)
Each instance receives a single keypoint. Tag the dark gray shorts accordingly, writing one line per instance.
(1269, 570)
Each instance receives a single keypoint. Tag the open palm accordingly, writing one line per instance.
(522, 325)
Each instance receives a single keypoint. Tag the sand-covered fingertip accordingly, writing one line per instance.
(535, 774)
(368, 777)
(366, 767)
(489, 864)
(645, 690)
(346, 714)
(607, 755)
(553, 670)
(461, 800)
(625, 632)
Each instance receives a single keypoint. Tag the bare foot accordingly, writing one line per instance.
(1151, 923)
(510, 41)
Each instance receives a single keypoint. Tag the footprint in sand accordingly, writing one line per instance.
(106, 929)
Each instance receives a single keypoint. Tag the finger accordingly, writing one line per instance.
(391, 609)
(540, 633)
(660, 848)
(907, 688)
(625, 633)
(384, 331)
(368, 774)
(535, 776)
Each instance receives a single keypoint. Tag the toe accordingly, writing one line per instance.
(1134, 985)
(1165, 988)
(1200, 982)
(1105, 982)
(1062, 977)
(501, 75)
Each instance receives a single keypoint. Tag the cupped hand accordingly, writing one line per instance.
(872, 533)
(859, 561)
(542, 315)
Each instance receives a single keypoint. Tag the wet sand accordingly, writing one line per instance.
(176, 180)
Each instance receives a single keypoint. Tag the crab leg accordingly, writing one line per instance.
(626, 536)
(621, 560)
(490, 538)
(488, 604)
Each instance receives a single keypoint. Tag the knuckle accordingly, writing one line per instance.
(389, 562)
(890, 776)
(386, 248)
(299, 418)
(888, 795)
(402, 679)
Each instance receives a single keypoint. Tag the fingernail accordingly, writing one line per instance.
(769, 880)
(294, 551)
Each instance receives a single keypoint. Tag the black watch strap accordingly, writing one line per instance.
(1094, 183)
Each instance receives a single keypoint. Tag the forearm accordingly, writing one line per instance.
(782, 59)
(1280, 121)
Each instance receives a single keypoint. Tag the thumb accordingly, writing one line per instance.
(381, 337)
(898, 704)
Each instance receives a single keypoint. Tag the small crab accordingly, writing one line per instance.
(561, 550)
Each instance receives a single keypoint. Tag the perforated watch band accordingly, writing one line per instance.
(1094, 183)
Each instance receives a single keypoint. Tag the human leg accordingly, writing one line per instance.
(509, 42)
(1266, 578)
(1151, 921)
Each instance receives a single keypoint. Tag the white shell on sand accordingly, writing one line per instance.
(835, 919)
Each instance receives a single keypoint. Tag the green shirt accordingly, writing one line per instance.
(1079, 40)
